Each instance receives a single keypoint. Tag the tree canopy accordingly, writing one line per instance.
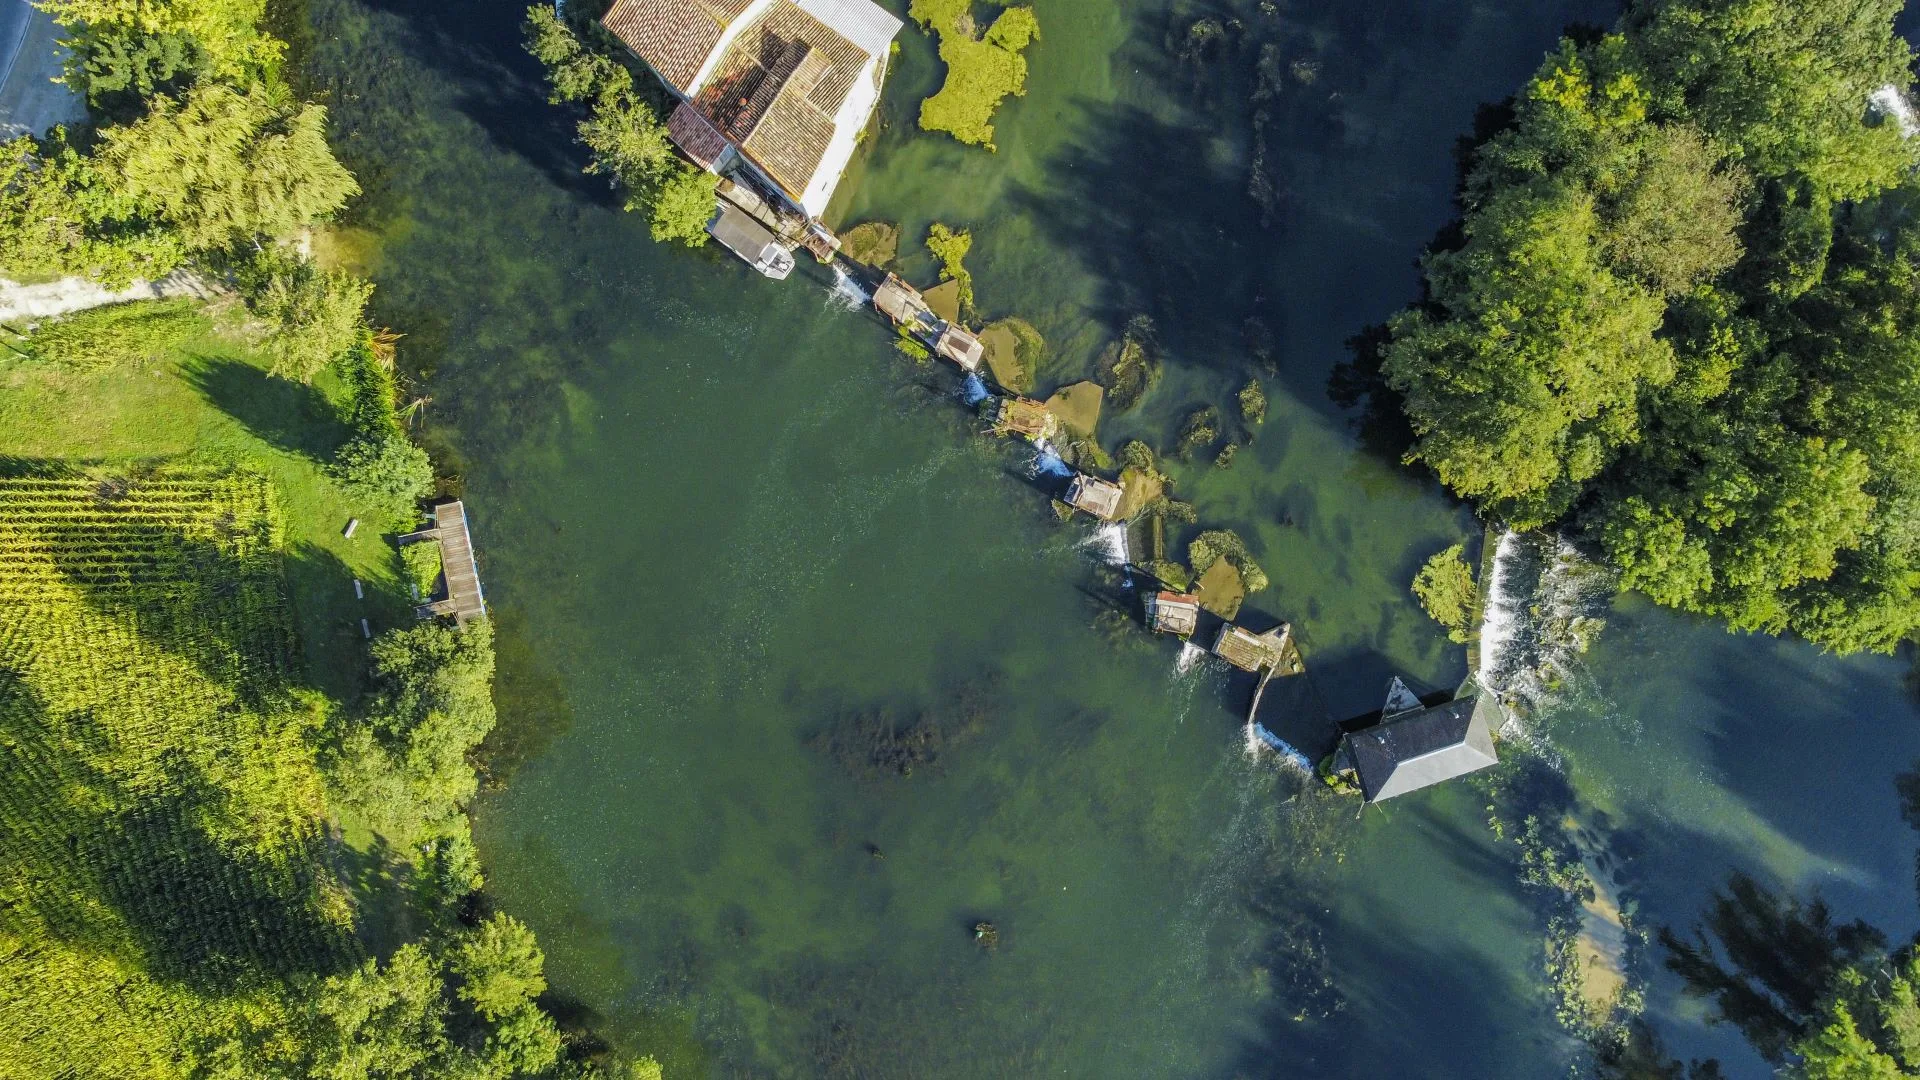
(1678, 313)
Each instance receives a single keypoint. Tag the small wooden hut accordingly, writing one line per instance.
(1026, 417)
(1253, 652)
(961, 347)
(1173, 613)
(902, 303)
(1098, 497)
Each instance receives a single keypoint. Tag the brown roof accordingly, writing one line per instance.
(777, 90)
(692, 134)
(672, 36)
(1247, 650)
(1026, 416)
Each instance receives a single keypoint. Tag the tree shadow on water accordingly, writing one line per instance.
(371, 65)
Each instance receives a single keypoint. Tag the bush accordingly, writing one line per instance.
(874, 243)
(1131, 366)
(1224, 459)
(1137, 455)
(1445, 588)
(388, 474)
(981, 72)
(951, 249)
(1201, 428)
(116, 334)
(314, 315)
(1216, 544)
(422, 563)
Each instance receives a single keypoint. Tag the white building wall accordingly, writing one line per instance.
(847, 125)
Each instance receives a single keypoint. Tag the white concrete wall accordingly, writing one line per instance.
(847, 125)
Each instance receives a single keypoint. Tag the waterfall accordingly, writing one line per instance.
(974, 391)
(1109, 544)
(847, 293)
(1258, 738)
(1189, 658)
(1891, 103)
(1545, 603)
(1498, 614)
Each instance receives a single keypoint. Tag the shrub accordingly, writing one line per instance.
(981, 72)
(1216, 544)
(874, 243)
(388, 474)
(1131, 366)
(1224, 459)
(422, 563)
(313, 315)
(1200, 429)
(951, 249)
(1137, 455)
(116, 334)
(1445, 588)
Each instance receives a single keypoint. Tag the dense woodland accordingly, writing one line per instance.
(1678, 314)
(213, 861)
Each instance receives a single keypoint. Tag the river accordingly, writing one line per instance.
(748, 562)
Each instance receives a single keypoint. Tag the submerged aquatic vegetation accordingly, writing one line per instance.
(1198, 431)
(981, 71)
(1129, 367)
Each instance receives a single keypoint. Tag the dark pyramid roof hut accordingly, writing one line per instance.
(1418, 748)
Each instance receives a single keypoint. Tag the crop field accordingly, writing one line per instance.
(159, 798)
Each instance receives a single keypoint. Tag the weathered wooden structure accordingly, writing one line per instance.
(1248, 651)
(1170, 612)
(1098, 497)
(1025, 417)
(959, 345)
(461, 595)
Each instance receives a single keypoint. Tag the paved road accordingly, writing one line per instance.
(30, 58)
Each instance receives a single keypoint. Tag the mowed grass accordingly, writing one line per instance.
(210, 401)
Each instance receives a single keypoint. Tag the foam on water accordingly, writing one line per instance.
(1889, 101)
(847, 293)
(1109, 543)
(1189, 658)
(1545, 602)
(973, 390)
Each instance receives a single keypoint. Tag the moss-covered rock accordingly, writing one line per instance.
(875, 243)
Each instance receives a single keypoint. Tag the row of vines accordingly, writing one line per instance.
(159, 796)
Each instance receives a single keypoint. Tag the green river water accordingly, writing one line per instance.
(728, 533)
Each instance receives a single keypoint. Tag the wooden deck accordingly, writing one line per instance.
(464, 599)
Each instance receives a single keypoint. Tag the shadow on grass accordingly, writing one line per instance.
(289, 415)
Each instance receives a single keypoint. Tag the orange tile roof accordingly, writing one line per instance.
(673, 36)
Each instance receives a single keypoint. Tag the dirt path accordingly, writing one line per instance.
(25, 303)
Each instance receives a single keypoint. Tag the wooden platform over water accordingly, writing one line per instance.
(464, 599)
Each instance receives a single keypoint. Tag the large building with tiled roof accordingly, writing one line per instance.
(784, 86)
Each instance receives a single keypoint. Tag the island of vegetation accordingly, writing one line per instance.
(1677, 316)
(237, 764)
(982, 68)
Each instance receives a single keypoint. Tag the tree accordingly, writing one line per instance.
(388, 474)
(1445, 588)
(60, 215)
(313, 315)
(1839, 1052)
(575, 72)
(499, 967)
(227, 31)
(228, 166)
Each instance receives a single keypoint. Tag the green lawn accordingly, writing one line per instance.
(211, 401)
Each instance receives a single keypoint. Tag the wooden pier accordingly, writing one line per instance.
(464, 600)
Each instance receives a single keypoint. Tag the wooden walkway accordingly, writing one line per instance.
(464, 599)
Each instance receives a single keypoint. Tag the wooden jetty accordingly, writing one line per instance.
(464, 599)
